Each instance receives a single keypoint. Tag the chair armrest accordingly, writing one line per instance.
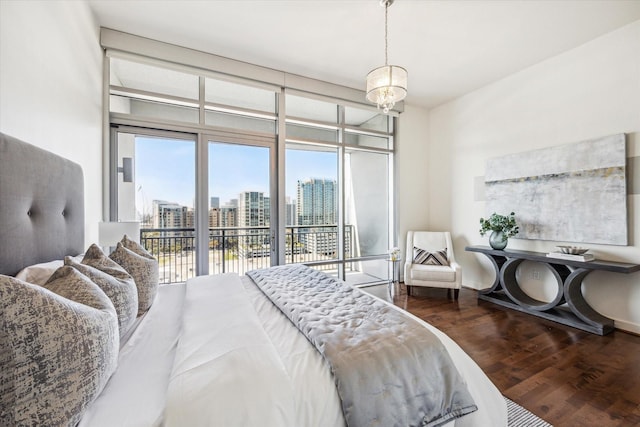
(407, 273)
(458, 269)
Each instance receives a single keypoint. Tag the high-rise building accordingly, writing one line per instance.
(292, 218)
(253, 209)
(215, 203)
(214, 217)
(316, 204)
(170, 215)
(190, 218)
(229, 214)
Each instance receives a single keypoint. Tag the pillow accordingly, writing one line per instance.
(136, 247)
(38, 274)
(58, 348)
(421, 256)
(143, 269)
(116, 283)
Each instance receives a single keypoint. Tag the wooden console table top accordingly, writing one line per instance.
(597, 264)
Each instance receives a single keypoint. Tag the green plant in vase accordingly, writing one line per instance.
(501, 226)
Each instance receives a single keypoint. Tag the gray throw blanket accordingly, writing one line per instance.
(389, 369)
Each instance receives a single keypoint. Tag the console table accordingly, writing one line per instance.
(569, 275)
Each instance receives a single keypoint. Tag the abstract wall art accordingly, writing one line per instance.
(572, 193)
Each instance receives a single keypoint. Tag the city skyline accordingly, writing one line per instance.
(317, 206)
(165, 170)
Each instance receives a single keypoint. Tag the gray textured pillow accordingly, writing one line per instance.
(134, 246)
(143, 269)
(114, 281)
(58, 348)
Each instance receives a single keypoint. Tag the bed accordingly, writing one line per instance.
(222, 350)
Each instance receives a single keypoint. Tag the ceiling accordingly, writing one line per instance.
(448, 47)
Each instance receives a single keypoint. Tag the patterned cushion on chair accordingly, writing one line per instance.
(421, 256)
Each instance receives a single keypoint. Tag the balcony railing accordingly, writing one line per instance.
(240, 249)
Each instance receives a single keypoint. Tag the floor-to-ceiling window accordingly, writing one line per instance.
(249, 174)
(311, 203)
(339, 157)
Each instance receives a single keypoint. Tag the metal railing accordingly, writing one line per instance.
(240, 249)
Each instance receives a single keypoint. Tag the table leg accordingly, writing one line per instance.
(394, 283)
(579, 306)
(497, 262)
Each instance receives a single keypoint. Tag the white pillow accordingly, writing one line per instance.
(38, 274)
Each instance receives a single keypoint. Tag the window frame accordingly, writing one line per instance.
(277, 142)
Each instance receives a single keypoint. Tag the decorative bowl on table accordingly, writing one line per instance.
(573, 250)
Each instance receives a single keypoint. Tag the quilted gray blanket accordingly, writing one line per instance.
(389, 369)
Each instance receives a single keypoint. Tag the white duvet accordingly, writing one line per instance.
(222, 355)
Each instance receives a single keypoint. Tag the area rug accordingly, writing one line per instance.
(520, 417)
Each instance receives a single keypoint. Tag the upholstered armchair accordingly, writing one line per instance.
(430, 262)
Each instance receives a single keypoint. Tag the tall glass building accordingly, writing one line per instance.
(317, 202)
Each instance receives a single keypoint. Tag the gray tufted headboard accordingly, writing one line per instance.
(41, 206)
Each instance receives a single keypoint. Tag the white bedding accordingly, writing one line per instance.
(235, 360)
(136, 393)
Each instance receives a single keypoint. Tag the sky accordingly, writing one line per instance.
(165, 170)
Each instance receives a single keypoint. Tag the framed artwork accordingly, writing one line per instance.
(573, 193)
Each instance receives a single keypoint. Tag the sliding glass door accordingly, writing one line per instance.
(155, 182)
(241, 235)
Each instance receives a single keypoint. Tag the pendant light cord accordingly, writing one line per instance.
(386, 31)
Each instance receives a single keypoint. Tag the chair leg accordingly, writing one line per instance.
(408, 290)
(456, 292)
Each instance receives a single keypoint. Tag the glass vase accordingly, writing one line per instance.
(498, 240)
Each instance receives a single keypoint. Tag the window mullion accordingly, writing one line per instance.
(279, 173)
(341, 196)
(202, 205)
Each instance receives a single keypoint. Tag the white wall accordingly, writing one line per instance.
(587, 92)
(412, 174)
(51, 87)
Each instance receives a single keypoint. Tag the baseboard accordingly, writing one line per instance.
(474, 286)
(625, 325)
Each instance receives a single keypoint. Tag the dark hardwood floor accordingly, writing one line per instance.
(564, 375)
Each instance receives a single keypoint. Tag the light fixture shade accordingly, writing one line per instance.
(110, 233)
(387, 85)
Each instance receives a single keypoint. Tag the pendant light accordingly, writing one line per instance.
(386, 85)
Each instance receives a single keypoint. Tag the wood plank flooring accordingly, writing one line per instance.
(564, 375)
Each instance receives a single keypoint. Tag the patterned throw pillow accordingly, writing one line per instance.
(421, 256)
(144, 270)
(58, 347)
(136, 247)
(114, 281)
